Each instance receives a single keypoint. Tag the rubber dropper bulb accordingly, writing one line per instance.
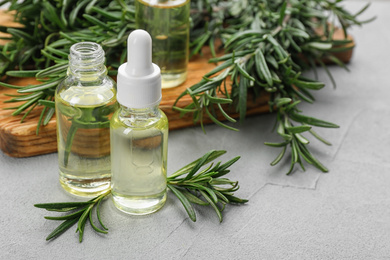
(139, 54)
(139, 80)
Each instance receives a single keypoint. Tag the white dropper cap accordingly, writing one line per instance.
(139, 80)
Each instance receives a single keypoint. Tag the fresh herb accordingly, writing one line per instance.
(191, 185)
(80, 213)
(268, 46)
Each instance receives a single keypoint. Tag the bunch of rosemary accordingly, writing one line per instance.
(268, 45)
(192, 184)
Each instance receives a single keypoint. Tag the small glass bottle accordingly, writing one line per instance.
(168, 22)
(139, 132)
(85, 101)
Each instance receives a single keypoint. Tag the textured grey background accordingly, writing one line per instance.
(343, 214)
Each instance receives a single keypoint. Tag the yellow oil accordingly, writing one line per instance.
(167, 21)
(139, 162)
(83, 137)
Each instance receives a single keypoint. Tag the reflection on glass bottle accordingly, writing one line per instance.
(85, 101)
(167, 21)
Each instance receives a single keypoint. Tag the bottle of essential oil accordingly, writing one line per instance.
(85, 102)
(167, 21)
(139, 132)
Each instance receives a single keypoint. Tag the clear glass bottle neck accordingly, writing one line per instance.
(139, 112)
(86, 61)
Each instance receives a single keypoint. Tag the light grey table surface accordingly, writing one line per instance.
(343, 214)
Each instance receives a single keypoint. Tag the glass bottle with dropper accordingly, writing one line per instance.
(168, 22)
(85, 101)
(139, 132)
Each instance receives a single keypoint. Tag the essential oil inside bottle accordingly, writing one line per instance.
(85, 102)
(139, 132)
(168, 24)
(139, 140)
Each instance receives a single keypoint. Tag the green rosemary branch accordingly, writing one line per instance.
(287, 112)
(191, 185)
(268, 45)
(80, 213)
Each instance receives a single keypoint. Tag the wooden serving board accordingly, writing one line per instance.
(20, 139)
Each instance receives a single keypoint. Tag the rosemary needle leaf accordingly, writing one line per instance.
(262, 68)
(62, 228)
(98, 214)
(312, 121)
(244, 73)
(53, 70)
(233, 199)
(40, 120)
(18, 33)
(242, 98)
(187, 205)
(9, 85)
(212, 155)
(298, 129)
(61, 205)
(227, 165)
(277, 144)
(218, 100)
(73, 215)
(62, 210)
(47, 103)
(22, 73)
(96, 21)
(39, 87)
(194, 199)
(282, 101)
(309, 85)
(200, 187)
(282, 13)
(280, 156)
(49, 115)
(28, 112)
(221, 196)
(229, 118)
(94, 226)
(24, 97)
(212, 205)
(216, 121)
(31, 102)
(82, 221)
(319, 137)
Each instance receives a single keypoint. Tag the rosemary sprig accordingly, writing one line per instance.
(80, 213)
(190, 184)
(287, 112)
